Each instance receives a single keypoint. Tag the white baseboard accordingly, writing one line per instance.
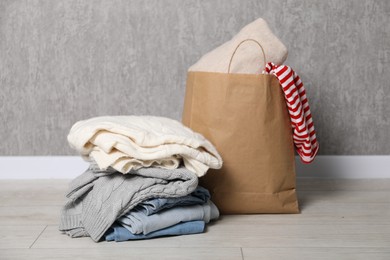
(345, 167)
(41, 167)
(323, 167)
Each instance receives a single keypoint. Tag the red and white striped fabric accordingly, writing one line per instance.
(304, 134)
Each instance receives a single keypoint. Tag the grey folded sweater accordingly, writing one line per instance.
(97, 198)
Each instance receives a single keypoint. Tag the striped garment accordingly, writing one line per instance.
(304, 134)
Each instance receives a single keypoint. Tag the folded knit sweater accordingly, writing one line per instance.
(249, 57)
(97, 198)
(132, 142)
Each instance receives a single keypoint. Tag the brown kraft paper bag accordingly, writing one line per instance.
(245, 116)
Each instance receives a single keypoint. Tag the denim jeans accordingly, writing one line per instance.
(137, 222)
(118, 233)
(197, 197)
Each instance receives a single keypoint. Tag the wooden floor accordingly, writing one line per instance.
(340, 219)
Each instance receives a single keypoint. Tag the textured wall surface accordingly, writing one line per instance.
(66, 60)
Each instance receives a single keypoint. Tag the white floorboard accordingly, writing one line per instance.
(339, 219)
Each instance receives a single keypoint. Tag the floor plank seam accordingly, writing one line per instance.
(30, 206)
(317, 247)
(31, 225)
(129, 247)
(38, 237)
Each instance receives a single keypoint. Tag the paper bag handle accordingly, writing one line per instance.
(262, 49)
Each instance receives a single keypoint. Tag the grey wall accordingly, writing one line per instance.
(66, 60)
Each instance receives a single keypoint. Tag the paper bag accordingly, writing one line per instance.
(245, 116)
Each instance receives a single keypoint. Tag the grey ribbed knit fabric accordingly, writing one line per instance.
(97, 198)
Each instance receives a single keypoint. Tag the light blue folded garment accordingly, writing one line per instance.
(137, 222)
(118, 233)
(152, 206)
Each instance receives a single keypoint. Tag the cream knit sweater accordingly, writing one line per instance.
(248, 58)
(132, 142)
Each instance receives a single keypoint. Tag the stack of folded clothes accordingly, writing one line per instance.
(142, 181)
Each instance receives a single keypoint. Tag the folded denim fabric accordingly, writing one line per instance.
(96, 200)
(118, 233)
(198, 197)
(137, 222)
